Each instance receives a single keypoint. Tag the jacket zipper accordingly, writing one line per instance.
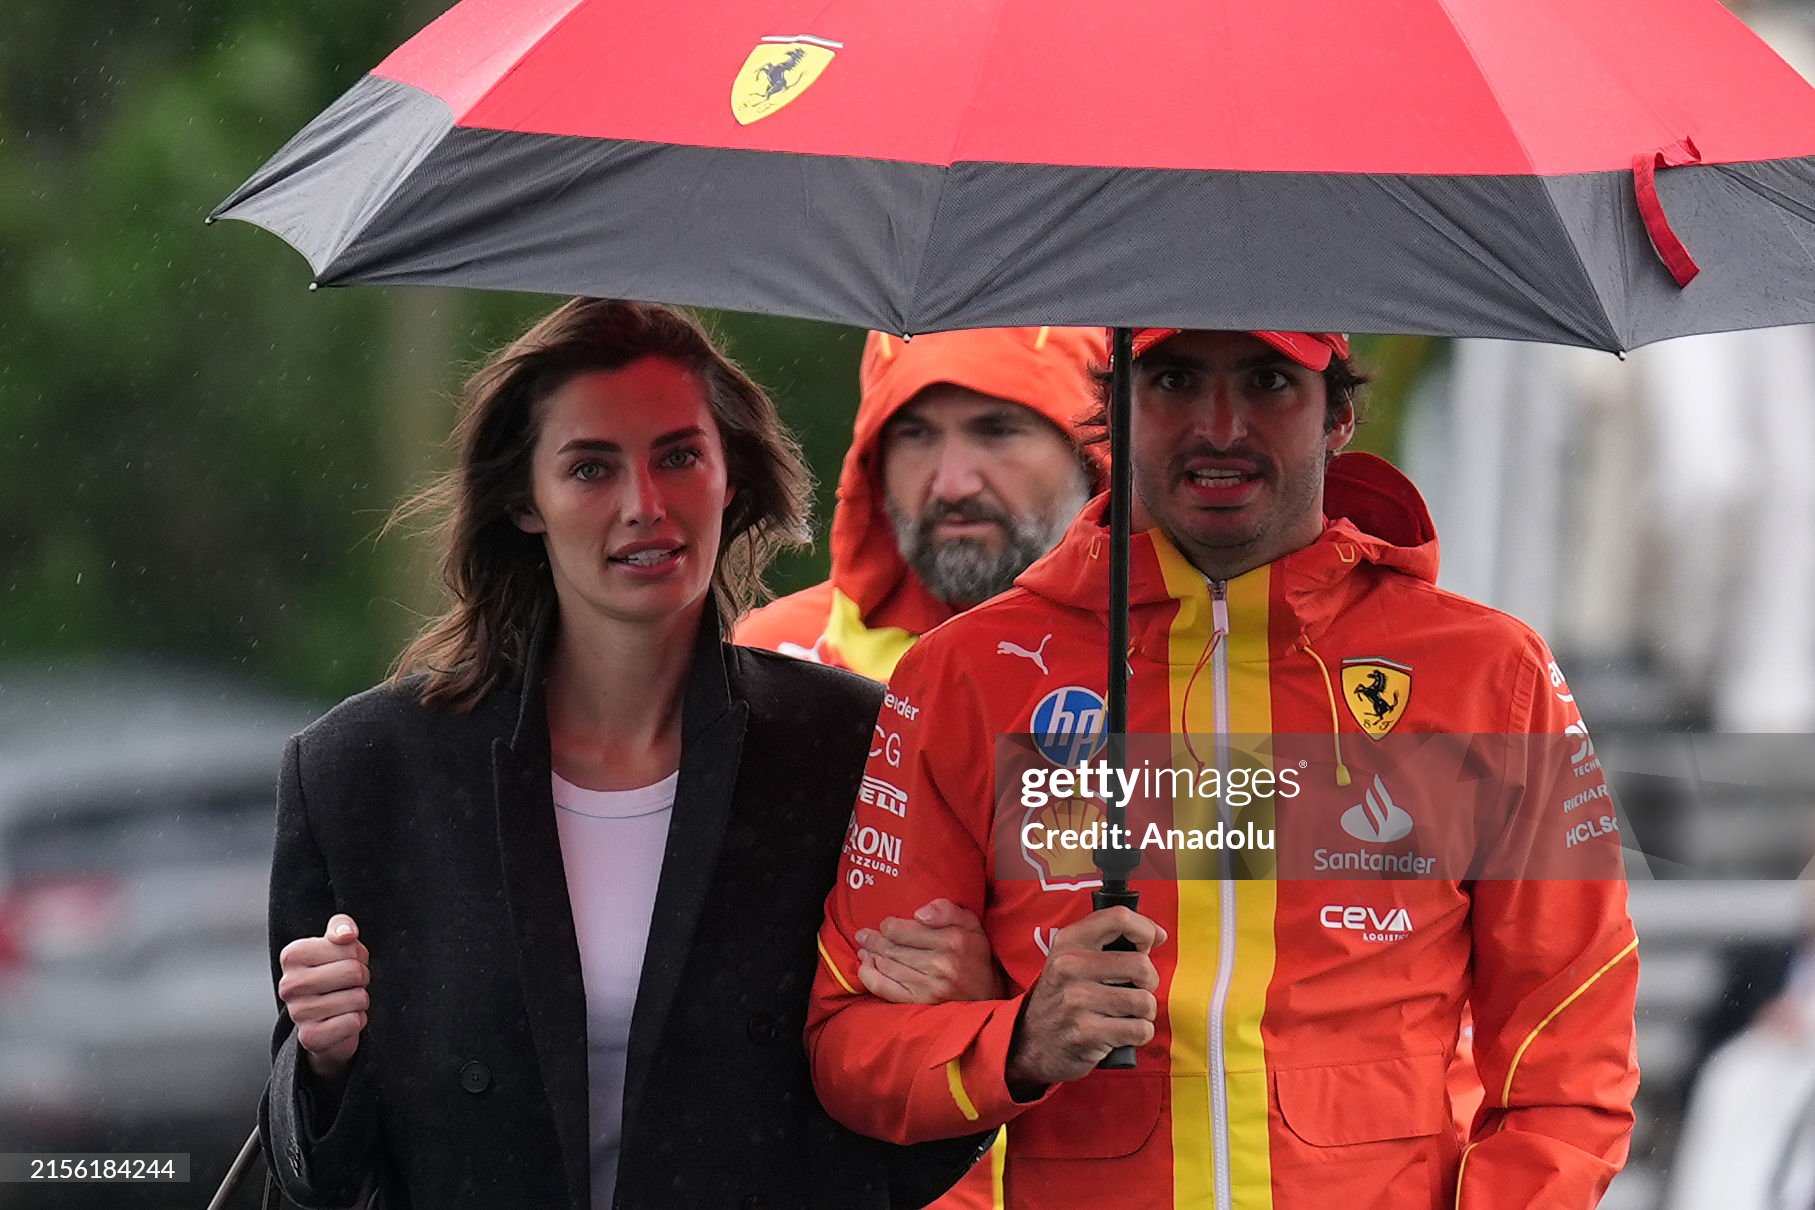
(1225, 924)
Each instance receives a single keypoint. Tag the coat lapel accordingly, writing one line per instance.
(548, 955)
(554, 991)
(712, 736)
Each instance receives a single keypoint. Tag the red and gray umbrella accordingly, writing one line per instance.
(1593, 172)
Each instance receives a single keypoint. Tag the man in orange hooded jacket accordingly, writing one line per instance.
(964, 468)
(1292, 1032)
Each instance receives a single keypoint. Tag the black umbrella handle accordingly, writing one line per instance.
(1121, 525)
(1122, 1057)
(1118, 862)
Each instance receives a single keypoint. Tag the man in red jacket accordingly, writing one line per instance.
(1293, 1031)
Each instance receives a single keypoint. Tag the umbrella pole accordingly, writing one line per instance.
(1118, 860)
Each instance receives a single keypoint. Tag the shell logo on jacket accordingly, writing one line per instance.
(1063, 868)
(873, 608)
(1306, 1020)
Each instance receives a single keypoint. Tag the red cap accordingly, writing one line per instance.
(1312, 350)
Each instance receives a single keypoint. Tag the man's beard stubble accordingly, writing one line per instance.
(1297, 486)
(964, 572)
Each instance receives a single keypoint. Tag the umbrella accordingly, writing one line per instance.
(1594, 172)
(1552, 170)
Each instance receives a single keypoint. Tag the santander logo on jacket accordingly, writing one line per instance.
(1311, 990)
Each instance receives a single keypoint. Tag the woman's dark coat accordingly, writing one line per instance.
(436, 832)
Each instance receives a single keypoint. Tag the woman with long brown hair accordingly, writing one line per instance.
(543, 905)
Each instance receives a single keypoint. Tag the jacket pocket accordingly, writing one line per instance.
(1105, 1115)
(1342, 1104)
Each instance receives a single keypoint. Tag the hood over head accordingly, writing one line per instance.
(1049, 370)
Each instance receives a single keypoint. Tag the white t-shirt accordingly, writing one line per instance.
(611, 845)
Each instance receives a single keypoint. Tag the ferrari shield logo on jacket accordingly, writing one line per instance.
(1376, 693)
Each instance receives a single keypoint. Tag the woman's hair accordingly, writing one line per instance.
(497, 574)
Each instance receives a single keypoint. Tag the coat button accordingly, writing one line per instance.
(475, 1076)
(761, 1028)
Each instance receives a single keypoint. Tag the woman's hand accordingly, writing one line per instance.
(322, 983)
(941, 954)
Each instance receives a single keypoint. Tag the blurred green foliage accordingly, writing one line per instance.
(196, 453)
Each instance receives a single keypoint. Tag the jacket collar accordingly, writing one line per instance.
(1374, 519)
(708, 692)
(713, 720)
(530, 693)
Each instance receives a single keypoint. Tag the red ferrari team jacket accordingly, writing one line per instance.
(1308, 1010)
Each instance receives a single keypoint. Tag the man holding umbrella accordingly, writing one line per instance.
(1292, 1034)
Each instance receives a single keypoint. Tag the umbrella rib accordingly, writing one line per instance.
(914, 304)
(1617, 71)
(950, 168)
(334, 134)
(1513, 131)
(1616, 327)
(529, 47)
(1782, 204)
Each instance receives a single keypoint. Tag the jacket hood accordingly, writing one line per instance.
(1373, 517)
(1046, 369)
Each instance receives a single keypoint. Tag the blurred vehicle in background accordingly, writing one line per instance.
(136, 822)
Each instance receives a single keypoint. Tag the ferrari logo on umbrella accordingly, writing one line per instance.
(1376, 691)
(777, 71)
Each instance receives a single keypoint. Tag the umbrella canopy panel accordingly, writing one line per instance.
(1368, 86)
(1452, 167)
